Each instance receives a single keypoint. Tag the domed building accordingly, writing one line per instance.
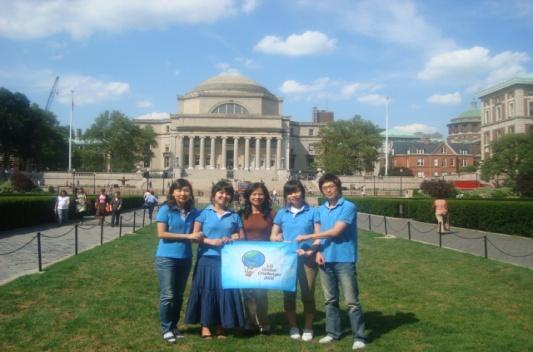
(466, 129)
(230, 126)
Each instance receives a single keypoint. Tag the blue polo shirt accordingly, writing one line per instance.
(301, 223)
(343, 248)
(215, 226)
(176, 223)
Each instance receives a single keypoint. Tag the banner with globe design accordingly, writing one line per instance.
(255, 264)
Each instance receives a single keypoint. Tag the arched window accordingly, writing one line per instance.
(229, 108)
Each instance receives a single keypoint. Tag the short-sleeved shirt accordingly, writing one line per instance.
(177, 222)
(257, 227)
(301, 223)
(216, 226)
(343, 248)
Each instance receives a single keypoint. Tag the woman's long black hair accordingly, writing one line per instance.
(266, 207)
(179, 184)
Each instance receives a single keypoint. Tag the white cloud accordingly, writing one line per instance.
(144, 104)
(351, 89)
(307, 43)
(416, 127)
(293, 87)
(445, 99)
(392, 21)
(474, 65)
(373, 99)
(226, 69)
(28, 19)
(249, 6)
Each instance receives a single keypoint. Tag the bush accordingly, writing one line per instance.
(21, 182)
(438, 188)
(6, 187)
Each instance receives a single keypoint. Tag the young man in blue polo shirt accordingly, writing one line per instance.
(338, 226)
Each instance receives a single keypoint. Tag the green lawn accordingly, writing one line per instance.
(416, 298)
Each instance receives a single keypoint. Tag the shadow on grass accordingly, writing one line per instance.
(379, 324)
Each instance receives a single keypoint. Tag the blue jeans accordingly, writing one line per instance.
(173, 274)
(344, 274)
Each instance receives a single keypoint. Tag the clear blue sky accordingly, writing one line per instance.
(430, 57)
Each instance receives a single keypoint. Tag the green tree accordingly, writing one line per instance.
(348, 146)
(512, 157)
(117, 142)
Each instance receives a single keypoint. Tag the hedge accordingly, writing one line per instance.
(22, 211)
(513, 217)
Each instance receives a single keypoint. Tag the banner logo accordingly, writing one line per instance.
(252, 260)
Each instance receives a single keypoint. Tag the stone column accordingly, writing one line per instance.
(278, 153)
(247, 153)
(202, 152)
(223, 159)
(180, 152)
(191, 152)
(212, 156)
(287, 152)
(235, 153)
(257, 152)
(268, 157)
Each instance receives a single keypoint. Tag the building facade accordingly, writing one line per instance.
(466, 129)
(506, 108)
(230, 126)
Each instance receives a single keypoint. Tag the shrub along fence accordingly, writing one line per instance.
(514, 217)
(23, 211)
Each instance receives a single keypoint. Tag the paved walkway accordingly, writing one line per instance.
(18, 247)
(505, 248)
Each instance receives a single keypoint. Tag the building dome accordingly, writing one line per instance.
(230, 84)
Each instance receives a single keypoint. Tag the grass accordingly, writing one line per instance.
(416, 298)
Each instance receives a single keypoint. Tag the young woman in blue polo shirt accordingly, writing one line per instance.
(209, 304)
(173, 257)
(298, 218)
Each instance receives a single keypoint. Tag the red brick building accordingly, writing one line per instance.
(427, 158)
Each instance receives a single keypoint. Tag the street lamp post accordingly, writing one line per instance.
(401, 174)
(387, 99)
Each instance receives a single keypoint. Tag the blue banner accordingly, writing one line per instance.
(256, 264)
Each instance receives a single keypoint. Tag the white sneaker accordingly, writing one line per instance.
(358, 345)
(307, 335)
(326, 339)
(169, 337)
(294, 333)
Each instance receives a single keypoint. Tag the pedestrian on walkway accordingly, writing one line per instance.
(440, 206)
(100, 205)
(337, 260)
(150, 203)
(116, 209)
(80, 198)
(61, 207)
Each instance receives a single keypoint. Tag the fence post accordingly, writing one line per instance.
(120, 228)
(440, 235)
(369, 222)
(385, 222)
(101, 233)
(144, 215)
(76, 239)
(486, 249)
(134, 217)
(39, 251)
(409, 230)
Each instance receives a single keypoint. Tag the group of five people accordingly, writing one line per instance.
(327, 244)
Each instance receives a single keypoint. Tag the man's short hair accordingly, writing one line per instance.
(330, 178)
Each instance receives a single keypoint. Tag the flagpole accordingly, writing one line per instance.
(70, 132)
(387, 99)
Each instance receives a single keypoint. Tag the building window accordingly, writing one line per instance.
(419, 151)
(167, 128)
(420, 174)
(435, 173)
(498, 113)
(452, 162)
(311, 132)
(166, 148)
(419, 162)
(166, 162)
(511, 109)
(530, 108)
(464, 163)
(443, 162)
(229, 108)
(436, 162)
(443, 150)
(487, 117)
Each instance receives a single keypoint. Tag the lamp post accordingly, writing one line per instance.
(401, 174)
(70, 132)
(387, 99)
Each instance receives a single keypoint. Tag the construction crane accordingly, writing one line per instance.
(53, 93)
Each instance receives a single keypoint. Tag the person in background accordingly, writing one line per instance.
(337, 259)
(298, 218)
(151, 202)
(257, 217)
(81, 203)
(61, 207)
(100, 205)
(440, 206)
(209, 304)
(116, 209)
(173, 258)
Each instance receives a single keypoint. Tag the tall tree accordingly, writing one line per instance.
(348, 146)
(511, 156)
(118, 142)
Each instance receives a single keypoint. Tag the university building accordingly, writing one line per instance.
(232, 127)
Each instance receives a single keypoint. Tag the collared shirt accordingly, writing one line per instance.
(216, 226)
(176, 223)
(301, 223)
(343, 248)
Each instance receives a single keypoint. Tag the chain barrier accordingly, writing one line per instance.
(379, 223)
(88, 228)
(424, 232)
(58, 236)
(464, 238)
(18, 249)
(394, 229)
(508, 254)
